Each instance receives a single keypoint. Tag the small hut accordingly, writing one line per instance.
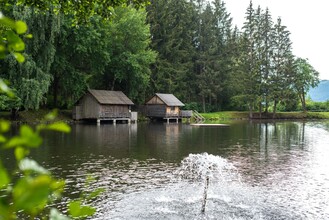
(166, 106)
(103, 105)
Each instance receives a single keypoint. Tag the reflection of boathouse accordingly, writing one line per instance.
(104, 105)
(166, 106)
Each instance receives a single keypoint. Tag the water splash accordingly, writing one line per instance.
(207, 167)
(200, 179)
(202, 166)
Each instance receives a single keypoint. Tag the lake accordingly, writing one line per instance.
(281, 169)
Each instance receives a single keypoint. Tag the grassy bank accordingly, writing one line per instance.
(66, 115)
(233, 115)
(36, 116)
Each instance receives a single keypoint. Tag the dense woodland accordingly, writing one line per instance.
(186, 47)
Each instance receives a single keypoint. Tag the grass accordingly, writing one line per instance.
(37, 116)
(234, 115)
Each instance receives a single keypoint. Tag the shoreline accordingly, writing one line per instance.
(36, 116)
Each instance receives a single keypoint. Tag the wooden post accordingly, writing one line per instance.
(98, 122)
(114, 121)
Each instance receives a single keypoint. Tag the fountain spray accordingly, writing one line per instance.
(205, 193)
(204, 166)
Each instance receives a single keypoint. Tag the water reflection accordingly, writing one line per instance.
(286, 162)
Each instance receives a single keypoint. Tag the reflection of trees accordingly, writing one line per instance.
(274, 151)
(163, 140)
(85, 141)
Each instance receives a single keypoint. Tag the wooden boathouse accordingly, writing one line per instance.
(104, 105)
(166, 106)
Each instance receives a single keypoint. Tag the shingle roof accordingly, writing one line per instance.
(111, 97)
(169, 99)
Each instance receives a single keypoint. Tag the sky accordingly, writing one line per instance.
(307, 21)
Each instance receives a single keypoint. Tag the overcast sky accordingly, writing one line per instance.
(307, 21)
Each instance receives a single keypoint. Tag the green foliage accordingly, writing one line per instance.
(11, 42)
(81, 11)
(187, 48)
(305, 77)
(127, 58)
(30, 190)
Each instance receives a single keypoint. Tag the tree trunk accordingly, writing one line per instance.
(274, 108)
(112, 86)
(304, 103)
(260, 109)
(250, 111)
(55, 90)
(14, 113)
(204, 103)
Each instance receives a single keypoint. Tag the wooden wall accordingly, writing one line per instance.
(89, 108)
(155, 101)
(114, 111)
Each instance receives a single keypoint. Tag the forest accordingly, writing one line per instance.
(189, 48)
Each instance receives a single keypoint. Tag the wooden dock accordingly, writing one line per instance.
(211, 125)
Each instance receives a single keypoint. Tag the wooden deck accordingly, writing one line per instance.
(211, 125)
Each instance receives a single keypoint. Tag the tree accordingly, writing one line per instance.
(130, 55)
(206, 58)
(225, 39)
(305, 78)
(281, 75)
(82, 10)
(172, 27)
(32, 78)
(78, 60)
(265, 37)
(250, 75)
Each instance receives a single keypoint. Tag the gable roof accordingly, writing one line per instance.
(169, 99)
(110, 97)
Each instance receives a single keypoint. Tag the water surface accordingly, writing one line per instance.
(283, 169)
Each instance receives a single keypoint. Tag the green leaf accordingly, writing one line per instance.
(20, 27)
(7, 22)
(76, 209)
(4, 126)
(51, 115)
(4, 178)
(15, 43)
(95, 193)
(29, 36)
(2, 139)
(56, 215)
(31, 194)
(59, 126)
(27, 138)
(20, 153)
(2, 49)
(19, 57)
(31, 165)
(4, 88)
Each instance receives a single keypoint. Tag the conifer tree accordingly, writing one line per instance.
(172, 29)
(250, 78)
(280, 78)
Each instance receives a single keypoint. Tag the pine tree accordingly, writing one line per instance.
(280, 78)
(250, 75)
(172, 25)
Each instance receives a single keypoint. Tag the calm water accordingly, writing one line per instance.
(282, 168)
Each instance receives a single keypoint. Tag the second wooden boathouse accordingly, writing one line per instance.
(166, 106)
(104, 105)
